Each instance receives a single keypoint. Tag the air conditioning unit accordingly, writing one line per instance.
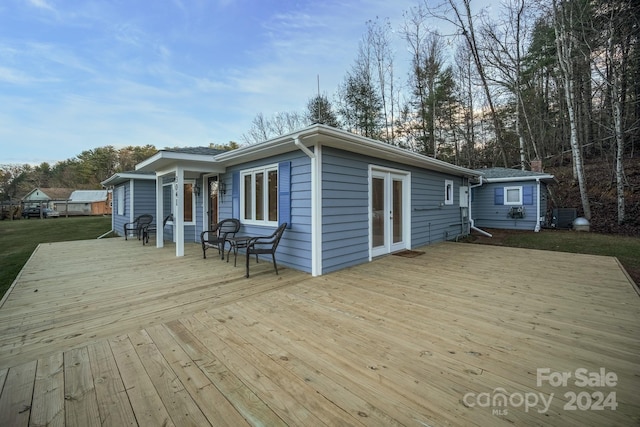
(516, 212)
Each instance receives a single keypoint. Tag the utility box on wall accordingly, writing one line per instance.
(464, 196)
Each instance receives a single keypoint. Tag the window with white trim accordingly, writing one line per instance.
(513, 195)
(448, 192)
(120, 200)
(259, 195)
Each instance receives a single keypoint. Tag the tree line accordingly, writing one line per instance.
(554, 80)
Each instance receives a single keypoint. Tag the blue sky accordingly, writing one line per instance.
(81, 74)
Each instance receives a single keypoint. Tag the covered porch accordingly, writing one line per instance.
(110, 332)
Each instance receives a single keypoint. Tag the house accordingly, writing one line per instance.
(87, 202)
(346, 198)
(49, 197)
(510, 199)
(133, 194)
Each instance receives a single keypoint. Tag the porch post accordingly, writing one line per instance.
(179, 211)
(159, 213)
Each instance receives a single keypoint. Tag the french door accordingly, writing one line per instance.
(389, 215)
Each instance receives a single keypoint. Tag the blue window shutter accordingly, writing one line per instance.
(498, 196)
(527, 195)
(284, 193)
(235, 195)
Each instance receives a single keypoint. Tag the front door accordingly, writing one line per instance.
(212, 185)
(389, 212)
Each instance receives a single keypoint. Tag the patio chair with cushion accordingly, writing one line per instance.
(217, 237)
(149, 229)
(137, 225)
(265, 245)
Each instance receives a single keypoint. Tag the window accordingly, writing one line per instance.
(259, 195)
(513, 195)
(448, 192)
(120, 200)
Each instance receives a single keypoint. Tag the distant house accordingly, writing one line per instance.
(510, 199)
(87, 202)
(346, 198)
(46, 197)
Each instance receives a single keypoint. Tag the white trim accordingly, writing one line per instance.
(265, 195)
(316, 212)
(389, 175)
(519, 179)
(131, 201)
(537, 227)
(520, 195)
(448, 192)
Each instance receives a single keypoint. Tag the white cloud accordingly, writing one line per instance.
(41, 4)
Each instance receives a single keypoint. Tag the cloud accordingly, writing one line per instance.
(41, 4)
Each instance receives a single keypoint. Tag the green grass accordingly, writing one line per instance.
(626, 249)
(19, 238)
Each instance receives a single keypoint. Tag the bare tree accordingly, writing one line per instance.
(379, 41)
(505, 52)
(463, 20)
(564, 27)
(263, 128)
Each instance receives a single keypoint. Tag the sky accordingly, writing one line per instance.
(76, 75)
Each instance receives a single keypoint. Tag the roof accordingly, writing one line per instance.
(203, 151)
(343, 140)
(209, 160)
(198, 159)
(120, 177)
(88, 196)
(49, 193)
(510, 175)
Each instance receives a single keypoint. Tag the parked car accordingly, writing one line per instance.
(35, 213)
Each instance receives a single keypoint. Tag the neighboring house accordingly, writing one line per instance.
(46, 197)
(510, 199)
(87, 202)
(346, 198)
(133, 194)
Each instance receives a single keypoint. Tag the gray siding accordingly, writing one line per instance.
(118, 221)
(431, 220)
(486, 213)
(144, 199)
(295, 247)
(345, 202)
(345, 195)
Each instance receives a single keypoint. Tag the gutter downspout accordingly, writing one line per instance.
(537, 228)
(471, 220)
(316, 203)
(112, 217)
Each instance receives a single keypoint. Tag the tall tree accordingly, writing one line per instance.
(565, 26)
(463, 20)
(320, 110)
(359, 103)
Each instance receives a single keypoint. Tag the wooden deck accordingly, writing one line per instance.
(112, 333)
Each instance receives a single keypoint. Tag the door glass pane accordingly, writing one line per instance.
(273, 195)
(248, 197)
(377, 214)
(188, 202)
(259, 196)
(397, 211)
(213, 200)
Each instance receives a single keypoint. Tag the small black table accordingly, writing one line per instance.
(235, 243)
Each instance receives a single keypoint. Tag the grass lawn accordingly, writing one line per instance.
(19, 238)
(626, 249)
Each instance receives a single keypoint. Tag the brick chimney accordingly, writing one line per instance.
(536, 165)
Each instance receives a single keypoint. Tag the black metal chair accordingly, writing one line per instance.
(217, 237)
(265, 245)
(149, 229)
(137, 225)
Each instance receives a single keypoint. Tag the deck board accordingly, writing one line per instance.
(111, 332)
